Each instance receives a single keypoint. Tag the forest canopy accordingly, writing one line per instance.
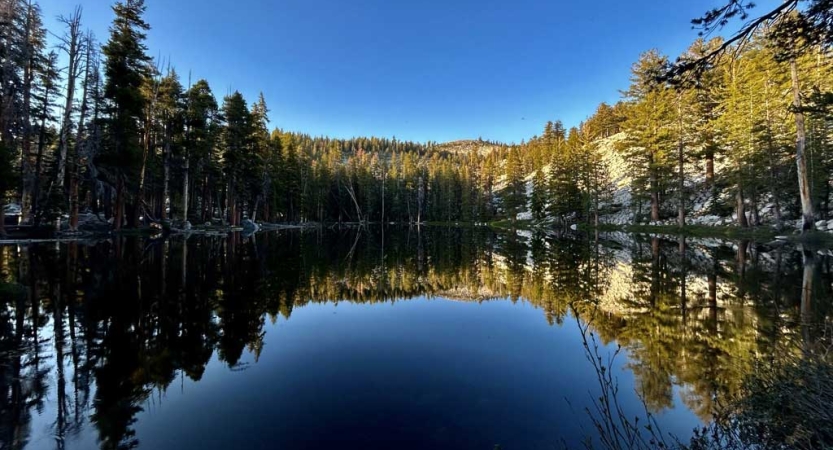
(737, 126)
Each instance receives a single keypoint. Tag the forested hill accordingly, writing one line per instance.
(115, 138)
(734, 133)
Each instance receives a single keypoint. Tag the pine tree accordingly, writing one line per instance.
(514, 198)
(125, 70)
(236, 137)
(200, 145)
(539, 192)
(648, 124)
(171, 106)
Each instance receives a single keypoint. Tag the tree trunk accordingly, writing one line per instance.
(166, 178)
(773, 187)
(596, 210)
(186, 169)
(39, 161)
(681, 175)
(683, 276)
(807, 282)
(75, 172)
(741, 207)
(709, 168)
(807, 212)
(207, 202)
(72, 43)
(26, 157)
(140, 193)
(118, 210)
(2, 216)
(654, 197)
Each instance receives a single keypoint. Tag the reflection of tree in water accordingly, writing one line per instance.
(127, 318)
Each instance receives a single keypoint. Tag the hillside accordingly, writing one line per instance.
(620, 208)
(470, 146)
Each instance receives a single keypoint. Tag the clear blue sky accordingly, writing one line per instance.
(420, 70)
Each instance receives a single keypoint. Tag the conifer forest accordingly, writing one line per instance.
(736, 127)
(559, 253)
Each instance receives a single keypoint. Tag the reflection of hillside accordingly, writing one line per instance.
(116, 321)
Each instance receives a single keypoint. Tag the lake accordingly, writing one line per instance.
(407, 338)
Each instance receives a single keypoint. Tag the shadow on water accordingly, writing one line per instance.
(90, 333)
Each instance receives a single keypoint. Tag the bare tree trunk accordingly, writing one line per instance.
(807, 213)
(349, 188)
(185, 184)
(72, 45)
(75, 171)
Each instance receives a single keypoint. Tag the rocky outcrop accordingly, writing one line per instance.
(619, 207)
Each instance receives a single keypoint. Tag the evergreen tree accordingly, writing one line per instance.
(539, 192)
(200, 145)
(648, 126)
(514, 197)
(236, 137)
(125, 69)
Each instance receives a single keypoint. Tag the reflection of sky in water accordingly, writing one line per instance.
(416, 374)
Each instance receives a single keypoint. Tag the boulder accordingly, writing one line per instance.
(249, 226)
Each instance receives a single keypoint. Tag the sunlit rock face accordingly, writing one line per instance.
(620, 207)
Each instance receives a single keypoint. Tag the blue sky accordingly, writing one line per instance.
(419, 70)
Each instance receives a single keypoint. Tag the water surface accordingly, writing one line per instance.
(407, 338)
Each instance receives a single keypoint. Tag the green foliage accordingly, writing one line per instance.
(125, 70)
(514, 196)
(539, 195)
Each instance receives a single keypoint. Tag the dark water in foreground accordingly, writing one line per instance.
(443, 338)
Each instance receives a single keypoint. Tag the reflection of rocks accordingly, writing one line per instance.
(215, 295)
(468, 294)
(249, 226)
(707, 269)
(92, 223)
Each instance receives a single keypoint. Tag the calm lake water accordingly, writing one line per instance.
(439, 338)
